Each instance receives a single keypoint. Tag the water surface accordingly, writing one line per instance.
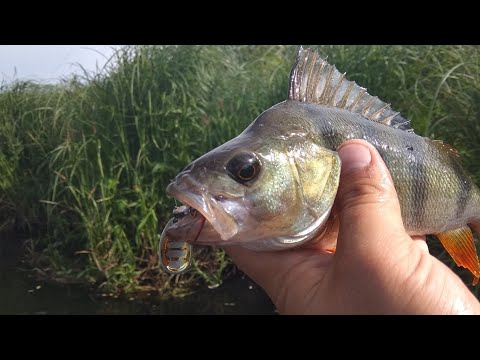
(20, 293)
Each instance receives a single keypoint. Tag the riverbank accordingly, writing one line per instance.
(23, 294)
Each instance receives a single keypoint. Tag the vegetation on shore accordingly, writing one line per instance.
(85, 162)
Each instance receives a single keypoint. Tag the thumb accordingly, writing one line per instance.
(367, 203)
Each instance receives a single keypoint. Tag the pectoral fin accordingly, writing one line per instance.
(460, 245)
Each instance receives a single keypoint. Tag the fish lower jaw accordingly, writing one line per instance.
(217, 221)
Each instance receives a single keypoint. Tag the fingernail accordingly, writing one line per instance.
(354, 157)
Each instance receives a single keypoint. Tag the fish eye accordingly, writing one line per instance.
(243, 167)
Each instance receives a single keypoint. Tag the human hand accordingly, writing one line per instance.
(377, 268)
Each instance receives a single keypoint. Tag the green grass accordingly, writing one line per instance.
(85, 164)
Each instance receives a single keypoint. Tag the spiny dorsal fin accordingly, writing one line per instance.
(314, 80)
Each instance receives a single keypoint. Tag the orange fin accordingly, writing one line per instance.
(332, 250)
(460, 245)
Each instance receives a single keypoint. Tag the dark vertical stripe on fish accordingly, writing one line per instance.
(415, 194)
(419, 191)
(465, 186)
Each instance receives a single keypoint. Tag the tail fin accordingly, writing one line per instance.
(475, 225)
(460, 244)
(476, 230)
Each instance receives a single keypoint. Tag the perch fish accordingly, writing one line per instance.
(273, 186)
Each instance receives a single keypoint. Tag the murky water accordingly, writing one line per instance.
(20, 294)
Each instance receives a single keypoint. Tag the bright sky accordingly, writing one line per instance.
(47, 63)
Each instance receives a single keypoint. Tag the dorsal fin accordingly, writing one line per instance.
(447, 148)
(314, 80)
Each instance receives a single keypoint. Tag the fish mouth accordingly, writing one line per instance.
(218, 225)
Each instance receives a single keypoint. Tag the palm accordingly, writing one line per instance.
(308, 280)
